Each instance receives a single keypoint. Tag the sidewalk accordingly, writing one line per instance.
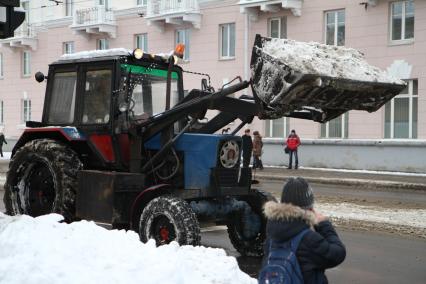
(370, 179)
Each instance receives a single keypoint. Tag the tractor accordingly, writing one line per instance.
(122, 144)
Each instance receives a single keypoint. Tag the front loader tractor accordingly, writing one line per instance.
(122, 144)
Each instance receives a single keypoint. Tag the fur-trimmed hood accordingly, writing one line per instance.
(288, 212)
(286, 220)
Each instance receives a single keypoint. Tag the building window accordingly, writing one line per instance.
(69, 7)
(26, 63)
(182, 36)
(401, 113)
(141, 41)
(104, 3)
(102, 44)
(335, 27)
(141, 2)
(227, 41)
(336, 128)
(26, 110)
(1, 65)
(68, 47)
(277, 27)
(402, 20)
(279, 128)
(1, 112)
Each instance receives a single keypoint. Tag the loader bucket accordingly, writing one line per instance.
(320, 85)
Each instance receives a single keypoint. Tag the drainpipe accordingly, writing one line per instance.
(246, 47)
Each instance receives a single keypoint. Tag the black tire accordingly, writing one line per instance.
(250, 245)
(42, 179)
(168, 218)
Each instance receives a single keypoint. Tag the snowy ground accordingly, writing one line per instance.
(42, 250)
(394, 216)
(6, 155)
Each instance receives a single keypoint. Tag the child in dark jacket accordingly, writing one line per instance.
(321, 247)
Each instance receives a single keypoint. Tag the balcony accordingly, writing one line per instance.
(253, 7)
(24, 37)
(95, 20)
(175, 12)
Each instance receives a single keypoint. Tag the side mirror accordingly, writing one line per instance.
(39, 76)
(204, 84)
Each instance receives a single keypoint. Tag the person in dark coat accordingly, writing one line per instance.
(2, 140)
(247, 148)
(257, 150)
(320, 248)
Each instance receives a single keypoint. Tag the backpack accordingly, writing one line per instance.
(281, 265)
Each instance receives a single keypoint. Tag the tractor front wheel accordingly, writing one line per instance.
(42, 179)
(166, 219)
(247, 228)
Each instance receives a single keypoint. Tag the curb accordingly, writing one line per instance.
(352, 182)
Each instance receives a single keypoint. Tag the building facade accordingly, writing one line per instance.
(218, 36)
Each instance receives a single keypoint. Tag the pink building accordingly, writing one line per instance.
(218, 36)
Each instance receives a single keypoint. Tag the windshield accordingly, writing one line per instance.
(148, 89)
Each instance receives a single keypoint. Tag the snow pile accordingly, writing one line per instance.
(96, 53)
(41, 250)
(326, 60)
(396, 216)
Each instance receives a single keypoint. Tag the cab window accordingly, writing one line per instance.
(62, 102)
(97, 97)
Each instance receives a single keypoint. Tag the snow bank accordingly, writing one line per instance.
(396, 216)
(326, 60)
(42, 250)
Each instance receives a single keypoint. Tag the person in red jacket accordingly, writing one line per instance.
(293, 142)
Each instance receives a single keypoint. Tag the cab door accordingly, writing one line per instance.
(95, 113)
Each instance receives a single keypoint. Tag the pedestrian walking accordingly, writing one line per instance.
(247, 148)
(257, 150)
(2, 140)
(295, 219)
(293, 142)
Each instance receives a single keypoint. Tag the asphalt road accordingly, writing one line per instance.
(371, 258)
(349, 193)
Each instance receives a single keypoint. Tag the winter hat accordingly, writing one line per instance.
(298, 192)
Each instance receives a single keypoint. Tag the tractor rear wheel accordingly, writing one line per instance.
(42, 179)
(166, 219)
(247, 228)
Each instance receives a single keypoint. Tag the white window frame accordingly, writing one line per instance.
(186, 36)
(141, 2)
(410, 97)
(403, 40)
(282, 26)
(270, 125)
(343, 129)
(102, 44)
(105, 3)
(336, 25)
(1, 66)
(228, 27)
(143, 39)
(26, 64)
(66, 46)
(26, 110)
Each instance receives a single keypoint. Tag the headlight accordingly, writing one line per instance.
(229, 154)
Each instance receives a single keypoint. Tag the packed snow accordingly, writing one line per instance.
(43, 250)
(96, 53)
(326, 60)
(395, 216)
